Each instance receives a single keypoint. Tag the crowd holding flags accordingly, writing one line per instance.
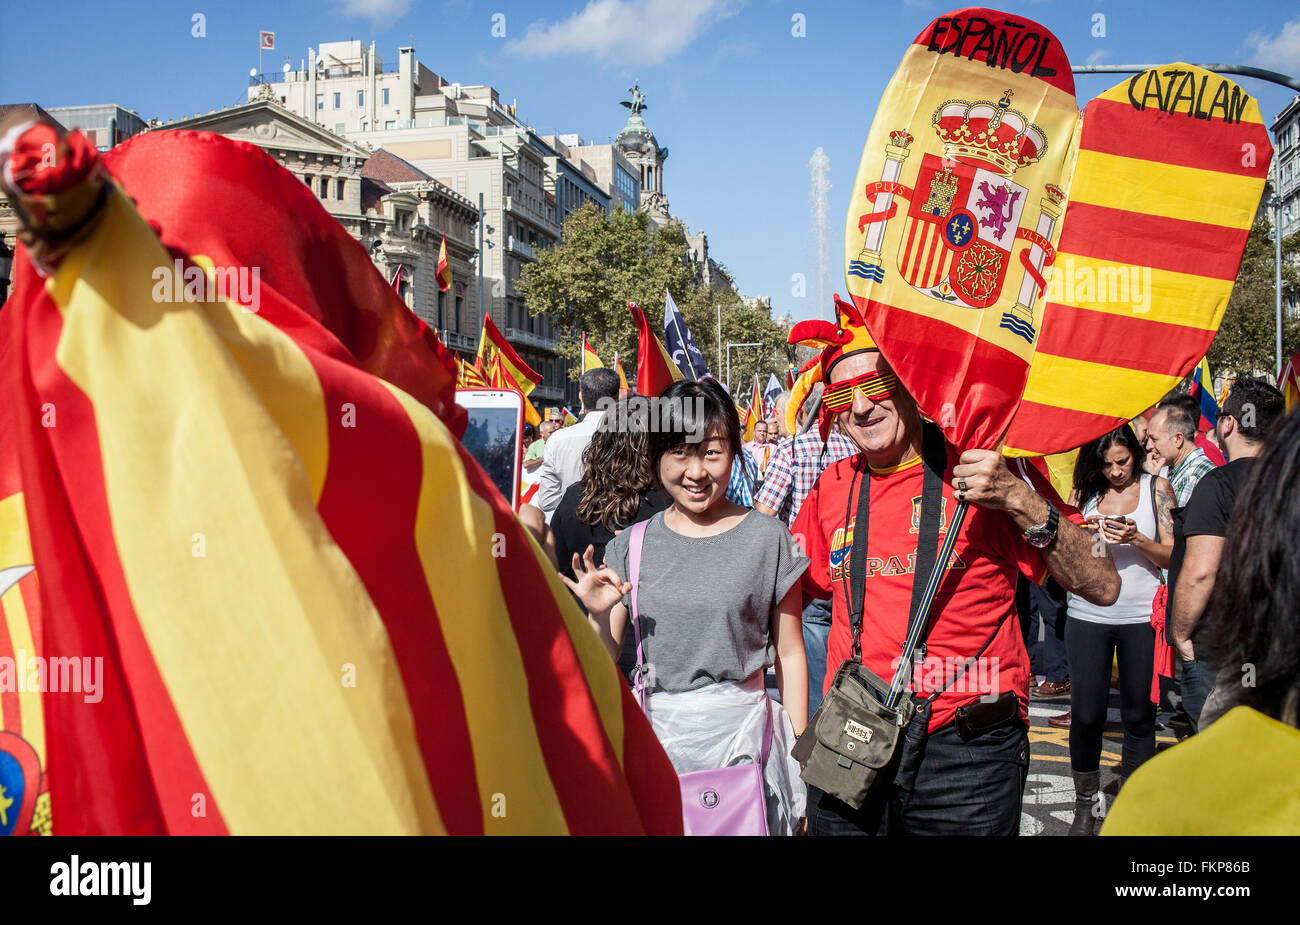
(357, 534)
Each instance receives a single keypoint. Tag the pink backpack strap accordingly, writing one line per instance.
(637, 542)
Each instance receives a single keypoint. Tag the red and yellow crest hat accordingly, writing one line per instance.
(846, 337)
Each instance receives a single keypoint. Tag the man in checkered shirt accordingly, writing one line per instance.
(793, 470)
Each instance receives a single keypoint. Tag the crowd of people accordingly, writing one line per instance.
(800, 551)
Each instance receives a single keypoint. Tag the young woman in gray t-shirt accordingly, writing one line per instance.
(718, 600)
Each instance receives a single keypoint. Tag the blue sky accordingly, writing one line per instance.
(740, 101)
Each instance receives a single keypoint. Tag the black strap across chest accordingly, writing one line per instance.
(934, 458)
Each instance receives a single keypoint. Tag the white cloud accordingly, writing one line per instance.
(375, 9)
(1277, 53)
(633, 32)
(1098, 56)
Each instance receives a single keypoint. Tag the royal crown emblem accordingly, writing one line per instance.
(964, 211)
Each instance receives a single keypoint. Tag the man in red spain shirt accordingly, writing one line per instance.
(942, 781)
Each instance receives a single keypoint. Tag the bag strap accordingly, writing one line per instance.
(637, 537)
(973, 659)
(934, 458)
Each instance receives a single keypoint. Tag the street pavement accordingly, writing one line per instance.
(1049, 793)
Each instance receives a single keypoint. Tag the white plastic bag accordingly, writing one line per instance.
(722, 725)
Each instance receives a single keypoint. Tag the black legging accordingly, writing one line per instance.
(1091, 647)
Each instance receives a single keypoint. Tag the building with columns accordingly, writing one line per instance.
(398, 213)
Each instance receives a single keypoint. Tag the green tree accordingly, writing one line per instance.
(741, 324)
(1245, 342)
(604, 261)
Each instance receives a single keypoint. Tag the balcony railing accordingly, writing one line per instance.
(531, 339)
(455, 340)
(521, 247)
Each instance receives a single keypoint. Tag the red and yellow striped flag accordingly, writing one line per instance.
(755, 413)
(590, 360)
(1159, 209)
(253, 507)
(498, 378)
(492, 339)
(24, 781)
(443, 271)
(1289, 383)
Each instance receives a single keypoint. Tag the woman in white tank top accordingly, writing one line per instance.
(1131, 516)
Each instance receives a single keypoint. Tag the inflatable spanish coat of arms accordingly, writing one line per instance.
(1036, 276)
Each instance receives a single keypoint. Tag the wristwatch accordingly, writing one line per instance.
(1043, 535)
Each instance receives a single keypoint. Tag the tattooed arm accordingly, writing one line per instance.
(1159, 549)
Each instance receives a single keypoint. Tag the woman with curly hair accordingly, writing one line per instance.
(616, 490)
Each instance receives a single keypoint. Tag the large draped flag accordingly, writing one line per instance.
(979, 176)
(1288, 383)
(24, 778)
(492, 339)
(655, 369)
(249, 509)
(680, 344)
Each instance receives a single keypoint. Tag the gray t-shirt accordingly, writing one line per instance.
(706, 602)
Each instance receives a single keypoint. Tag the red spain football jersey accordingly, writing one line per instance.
(978, 590)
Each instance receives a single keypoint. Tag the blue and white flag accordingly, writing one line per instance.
(771, 392)
(680, 344)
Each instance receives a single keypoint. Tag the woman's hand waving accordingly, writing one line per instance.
(599, 588)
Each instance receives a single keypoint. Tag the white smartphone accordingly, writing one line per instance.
(494, 436)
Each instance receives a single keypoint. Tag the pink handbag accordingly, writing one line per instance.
(720, 801)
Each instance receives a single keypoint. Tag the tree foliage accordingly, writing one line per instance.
(604, 261)
(1245, 343)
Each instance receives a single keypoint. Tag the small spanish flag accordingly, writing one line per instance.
(498, 378)
(590, 360)
(623, 387)
(755, 409)
(444, 268)
(1289, 383)
(569, 417)
(655, 369)
(521, 372)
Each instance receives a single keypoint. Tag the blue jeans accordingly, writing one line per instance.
(1198, 678)
(816, 630)
(1048, 657)
(949, 787)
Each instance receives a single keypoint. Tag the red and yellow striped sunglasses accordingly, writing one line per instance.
(876, 386)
